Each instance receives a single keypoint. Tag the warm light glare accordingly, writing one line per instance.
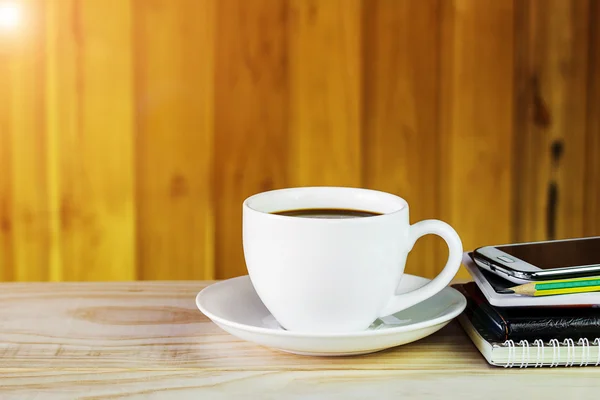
(10, 15)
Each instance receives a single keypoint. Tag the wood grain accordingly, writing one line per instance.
(29, 212)
(325, 93)
(251, 116)
(174, 67)
(6, 242)
(141, 339)
(92, 108)
(156, 325)
(570, 122)
(401, 143)
(348, 384)
(127, 147)
(476, 119)
(552, 81)
(592, 182)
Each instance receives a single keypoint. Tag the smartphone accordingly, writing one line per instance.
(538, 261)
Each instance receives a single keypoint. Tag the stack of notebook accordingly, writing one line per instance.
(526, 334)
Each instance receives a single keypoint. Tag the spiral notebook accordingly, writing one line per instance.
(522, 354)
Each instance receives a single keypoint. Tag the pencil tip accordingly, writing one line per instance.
(506, 291)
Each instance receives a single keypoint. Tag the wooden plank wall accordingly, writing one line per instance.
(556, 70)
(126, 148)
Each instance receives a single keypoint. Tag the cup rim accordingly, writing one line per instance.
(403, 204)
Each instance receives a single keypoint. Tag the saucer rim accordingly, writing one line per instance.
(459, 308)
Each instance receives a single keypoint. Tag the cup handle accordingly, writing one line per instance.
(432, 226)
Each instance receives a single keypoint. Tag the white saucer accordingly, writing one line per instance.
(235, 307)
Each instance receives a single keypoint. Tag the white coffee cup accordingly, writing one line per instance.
(321, 275)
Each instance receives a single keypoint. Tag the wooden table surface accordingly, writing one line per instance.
(148, 340)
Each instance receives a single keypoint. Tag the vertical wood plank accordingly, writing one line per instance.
(91, 68)
(401, 138)
(251, 116)
(325, 105)
(550, 126)
(30, 215)
(592, 182)
(527, 221)
(174, 130)
(570, 94)
(476, 117)
(53, 131)
(6, 243)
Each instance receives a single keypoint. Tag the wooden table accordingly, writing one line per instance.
(143, 340)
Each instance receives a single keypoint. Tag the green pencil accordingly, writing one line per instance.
(556, 287)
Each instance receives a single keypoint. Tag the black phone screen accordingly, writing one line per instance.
(557, 254)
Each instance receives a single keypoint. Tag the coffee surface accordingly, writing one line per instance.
(331, 213)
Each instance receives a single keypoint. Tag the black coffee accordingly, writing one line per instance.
(327, 213)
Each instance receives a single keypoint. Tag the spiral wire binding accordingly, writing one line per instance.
(585, 351)
(539, 359)
(570, 352)
(555, 352)
(583, 343)
(511, 354)
(524, 344)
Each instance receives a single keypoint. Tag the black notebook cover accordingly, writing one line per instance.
(525, 323)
